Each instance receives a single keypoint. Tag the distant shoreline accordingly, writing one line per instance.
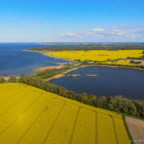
(62, 65)
(48, 55)
(101, 65)
(93, 43)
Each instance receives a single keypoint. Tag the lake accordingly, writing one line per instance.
(108, 82)
(14, 61)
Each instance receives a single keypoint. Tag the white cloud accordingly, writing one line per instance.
(68, 34)
(98, 30)
(129, 33)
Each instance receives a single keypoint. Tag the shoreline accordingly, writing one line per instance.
(59, 66)
(63, 74)
(7, 77)
(48, 55)
(103, 65)
(114, 66)
(62, 65)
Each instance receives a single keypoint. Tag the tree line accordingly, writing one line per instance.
(62, 48)
(114, 103)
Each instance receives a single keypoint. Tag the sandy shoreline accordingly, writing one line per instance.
(60, 75)
(59, 66)
(7, 77)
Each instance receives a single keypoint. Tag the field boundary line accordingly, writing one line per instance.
(20, 114)
(7, 86)
(11, 95)
(115, 131)
(113, 115)
(34, 121)
(74, 126)
(15, 104)
(96, 128)
(127, 129)
(54, 122)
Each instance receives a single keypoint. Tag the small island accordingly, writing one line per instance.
(73, 75)
(90, 75)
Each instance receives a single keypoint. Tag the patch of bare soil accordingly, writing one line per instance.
(60, 75)
(7, 78)
(61, 65)
(141, 61)
(136, 129)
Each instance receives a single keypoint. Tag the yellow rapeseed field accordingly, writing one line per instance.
(99, 55)
(30, 115)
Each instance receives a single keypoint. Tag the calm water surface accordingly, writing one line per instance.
(108, 82)
(14, 61)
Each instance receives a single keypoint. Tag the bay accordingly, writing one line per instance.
(14, 61)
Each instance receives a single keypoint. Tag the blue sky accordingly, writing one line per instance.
(72, 20)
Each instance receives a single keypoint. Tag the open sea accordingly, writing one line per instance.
(14, 61)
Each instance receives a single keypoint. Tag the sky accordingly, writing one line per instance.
(71, 20)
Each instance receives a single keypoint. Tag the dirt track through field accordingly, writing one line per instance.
(136, 128)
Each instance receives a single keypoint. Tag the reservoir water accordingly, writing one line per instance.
(108, 82)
